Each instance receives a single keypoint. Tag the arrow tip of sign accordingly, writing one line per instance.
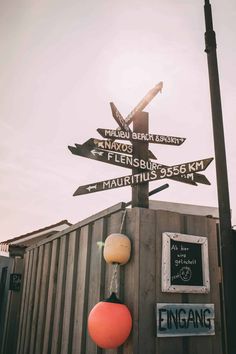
(76, 192)
(160, 86)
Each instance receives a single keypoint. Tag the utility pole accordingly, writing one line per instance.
(227, 241)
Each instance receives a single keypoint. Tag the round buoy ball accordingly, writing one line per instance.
(117, 249)
(109, 324)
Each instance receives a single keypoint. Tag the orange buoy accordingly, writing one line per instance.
(117, 249)
(109, 323)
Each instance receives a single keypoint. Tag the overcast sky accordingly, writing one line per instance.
(61, 64)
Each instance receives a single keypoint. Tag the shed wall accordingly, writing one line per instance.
(66, 275)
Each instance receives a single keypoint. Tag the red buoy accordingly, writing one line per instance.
(109, 323)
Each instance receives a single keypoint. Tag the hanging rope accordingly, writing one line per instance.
(123, 221)
(114, 279)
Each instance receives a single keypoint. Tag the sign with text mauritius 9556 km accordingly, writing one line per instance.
(124, 155)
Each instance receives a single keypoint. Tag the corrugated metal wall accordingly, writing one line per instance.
(10, 306)
(65, 276)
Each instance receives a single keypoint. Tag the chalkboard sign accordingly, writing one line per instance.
(185, 263)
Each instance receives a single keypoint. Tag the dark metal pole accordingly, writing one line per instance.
(154, 191)
(226, 234)
(140, 151)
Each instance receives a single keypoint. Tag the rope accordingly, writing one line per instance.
(114, 279)
(123, 221)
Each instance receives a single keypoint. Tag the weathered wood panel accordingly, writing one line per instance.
(167, 222)
(82, 290)
(51, 298)
(67, 275)
(96, 276)
(59, 300)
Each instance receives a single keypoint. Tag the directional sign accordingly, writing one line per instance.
(144, 102)
(112, 146)
(140, 137)
(143, 177)
(130, 162)
(124, 123)
(198, 177)
(118, 118)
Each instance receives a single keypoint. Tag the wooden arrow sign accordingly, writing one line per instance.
(119, 119)
(143, 177)
(144, 102)
(130, 162)
(124, 123)
(111, 145)
(140, 137)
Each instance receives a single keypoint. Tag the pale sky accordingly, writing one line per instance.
(61, 64)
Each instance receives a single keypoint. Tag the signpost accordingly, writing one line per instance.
(136, 155)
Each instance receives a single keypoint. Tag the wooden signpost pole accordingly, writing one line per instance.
(140, 151)
(227, 238)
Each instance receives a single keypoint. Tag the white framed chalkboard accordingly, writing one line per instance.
(185, 265)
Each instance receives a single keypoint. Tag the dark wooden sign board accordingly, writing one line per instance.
(181, 320)
(111, 145)
(185, 266)
(143, 177)
(15, 282)
(140, 137)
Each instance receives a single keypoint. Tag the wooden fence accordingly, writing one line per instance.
(66, 275)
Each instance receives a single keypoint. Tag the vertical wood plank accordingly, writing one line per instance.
(43, 299)
(80, 306)
(114, 222)
(34, 254)
(50, 297)
(215, 279)
(96, 277)
(68, 293)
(197, 225)
(167, 222)
(36, 300)
(131, 278)
(147, 281)
(57, 325)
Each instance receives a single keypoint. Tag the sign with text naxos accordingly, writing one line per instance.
(185, 266)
